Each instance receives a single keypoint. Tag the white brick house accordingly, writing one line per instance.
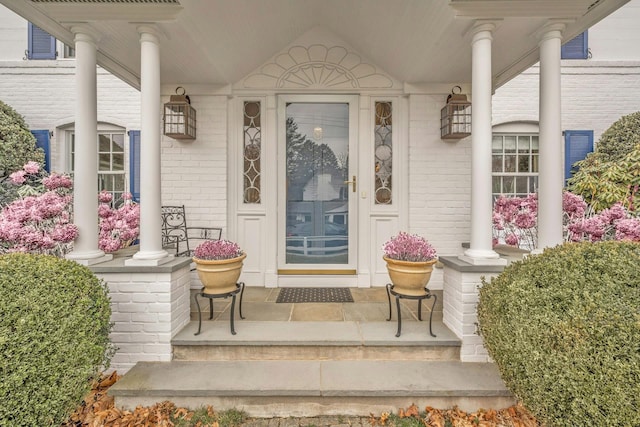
(229, 56)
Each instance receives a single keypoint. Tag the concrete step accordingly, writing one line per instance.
(282, 388)
(348, 340)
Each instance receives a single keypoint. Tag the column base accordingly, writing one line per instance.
(482, 257)
(154, 258)
(89, 257)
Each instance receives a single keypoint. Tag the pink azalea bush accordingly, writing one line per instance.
(38, 222)
(515, 221)
(118, 227)
(409, 247)
(217, 250)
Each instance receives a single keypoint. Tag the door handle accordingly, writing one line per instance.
(352, 182)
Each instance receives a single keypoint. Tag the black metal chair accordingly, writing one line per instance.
(176, 234)
(427, 295)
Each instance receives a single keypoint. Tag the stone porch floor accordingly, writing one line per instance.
(370, 305)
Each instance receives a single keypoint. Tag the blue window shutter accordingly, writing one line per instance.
(42, 45)
(134, 164)
(42, 141)
(576, 48)
(577, 144)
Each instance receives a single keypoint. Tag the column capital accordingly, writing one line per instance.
(483, 28)
(149, 32)
(553, 28)
(85, 33)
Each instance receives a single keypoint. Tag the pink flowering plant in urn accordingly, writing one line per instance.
(217, 250)
(410, 259)
(409, 247)
(219, 264)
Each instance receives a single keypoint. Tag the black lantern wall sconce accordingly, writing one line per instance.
(179, 116)
(455, 117)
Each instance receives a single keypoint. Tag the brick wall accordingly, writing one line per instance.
(460, 301)
(194, 173)
(594, 95)
(148, 309)
(440, 186)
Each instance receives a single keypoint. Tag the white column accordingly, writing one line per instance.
(85, 174)
(151, 252)
(550, 179)
(481, 248)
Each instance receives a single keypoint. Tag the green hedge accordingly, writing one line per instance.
(17, 144)
(564, 329)
(620, 138)
(54, 337)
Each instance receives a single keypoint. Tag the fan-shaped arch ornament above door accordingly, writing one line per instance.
(318, 66)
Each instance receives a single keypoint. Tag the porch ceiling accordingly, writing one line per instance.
(218, 42)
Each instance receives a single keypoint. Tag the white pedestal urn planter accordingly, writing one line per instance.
(219, 276)
(409, 277)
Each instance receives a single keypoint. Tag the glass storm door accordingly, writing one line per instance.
(318, 185)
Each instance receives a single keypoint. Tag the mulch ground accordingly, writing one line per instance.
(98, 410)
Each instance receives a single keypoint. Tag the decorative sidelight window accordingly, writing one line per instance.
(383, 152)
(251, 152)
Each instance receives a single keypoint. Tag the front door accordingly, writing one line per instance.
(317, 225)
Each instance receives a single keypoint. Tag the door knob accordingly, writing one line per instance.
(352, 182)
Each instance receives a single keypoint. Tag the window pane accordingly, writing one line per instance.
(107, 183)
(118, 182)
(523, 163)
(118, 162)
(521, 184)
(534, 163)
(495, 184)
(104, 162)
(118, 142)
(496, 144)
(508, 185)
(534, 144)
(496, 165)
(509, 144)
(104, 143)
(523, 144)
(533, 184)
(510, 163)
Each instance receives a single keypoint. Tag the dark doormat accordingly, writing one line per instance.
(298, 295)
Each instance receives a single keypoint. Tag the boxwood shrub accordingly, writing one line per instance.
(564, 330)
(54, 337)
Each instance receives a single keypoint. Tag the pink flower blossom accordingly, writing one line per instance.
(511, 240)
(55, 181)
(105, 197)
(217, 250)
(628, 229)
(118, 227)
(18, 177)
(31, 167)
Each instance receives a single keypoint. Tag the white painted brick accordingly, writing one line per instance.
(120, 317)
(134, 307)
(159, 307)
(157, 327)
(134, 287)
(144, 317)
(127, 327)
(146, 297)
